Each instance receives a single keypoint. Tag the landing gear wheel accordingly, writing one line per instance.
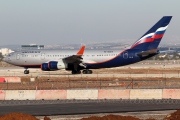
(76, 72)
(87, 71)
(26, 71)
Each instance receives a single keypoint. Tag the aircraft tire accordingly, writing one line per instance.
(26, 71)
(73, 72)
(76, 72)
(84, 71)
(87, 71)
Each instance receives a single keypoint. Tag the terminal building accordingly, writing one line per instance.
(32, 46)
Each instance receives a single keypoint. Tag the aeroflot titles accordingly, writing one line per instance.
(31, 52)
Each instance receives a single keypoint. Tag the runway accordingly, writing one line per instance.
(73, 107)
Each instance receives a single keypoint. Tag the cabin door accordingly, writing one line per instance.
(125, 55)
(18, 56)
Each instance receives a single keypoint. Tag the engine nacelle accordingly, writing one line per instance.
(57, 65)
(52, 65)
(45, 67)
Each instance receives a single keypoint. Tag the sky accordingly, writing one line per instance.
(84, 21)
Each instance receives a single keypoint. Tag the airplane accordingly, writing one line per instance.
(84, 60)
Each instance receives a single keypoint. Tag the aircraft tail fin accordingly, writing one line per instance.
(151, 39)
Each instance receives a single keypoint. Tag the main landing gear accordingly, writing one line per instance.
(26, 71)
(87, 71)
(76, 72)
(84, 72)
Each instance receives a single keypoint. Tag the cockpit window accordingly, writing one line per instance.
(10, 54)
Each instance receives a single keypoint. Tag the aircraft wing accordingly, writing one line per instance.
(75, 58)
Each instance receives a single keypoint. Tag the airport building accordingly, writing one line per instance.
(32, 46)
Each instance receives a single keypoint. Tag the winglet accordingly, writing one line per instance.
(81, 51)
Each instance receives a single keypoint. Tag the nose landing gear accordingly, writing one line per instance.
(26, 71)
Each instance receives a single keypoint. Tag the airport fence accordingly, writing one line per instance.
(100, 84)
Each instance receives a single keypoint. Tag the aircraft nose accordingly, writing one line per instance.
(4, 59)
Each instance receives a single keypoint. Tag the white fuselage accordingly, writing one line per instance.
(37, 57)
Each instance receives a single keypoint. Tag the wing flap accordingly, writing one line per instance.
(73, 59)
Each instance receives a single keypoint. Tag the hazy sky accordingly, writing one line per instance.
(84, 21)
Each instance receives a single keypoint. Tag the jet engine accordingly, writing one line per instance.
(54, 65)
(45, 67)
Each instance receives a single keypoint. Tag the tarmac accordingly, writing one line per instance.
(155, 109)
(78, 109)
(19, 71)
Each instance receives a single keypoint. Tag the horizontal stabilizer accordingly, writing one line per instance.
(149, 52)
